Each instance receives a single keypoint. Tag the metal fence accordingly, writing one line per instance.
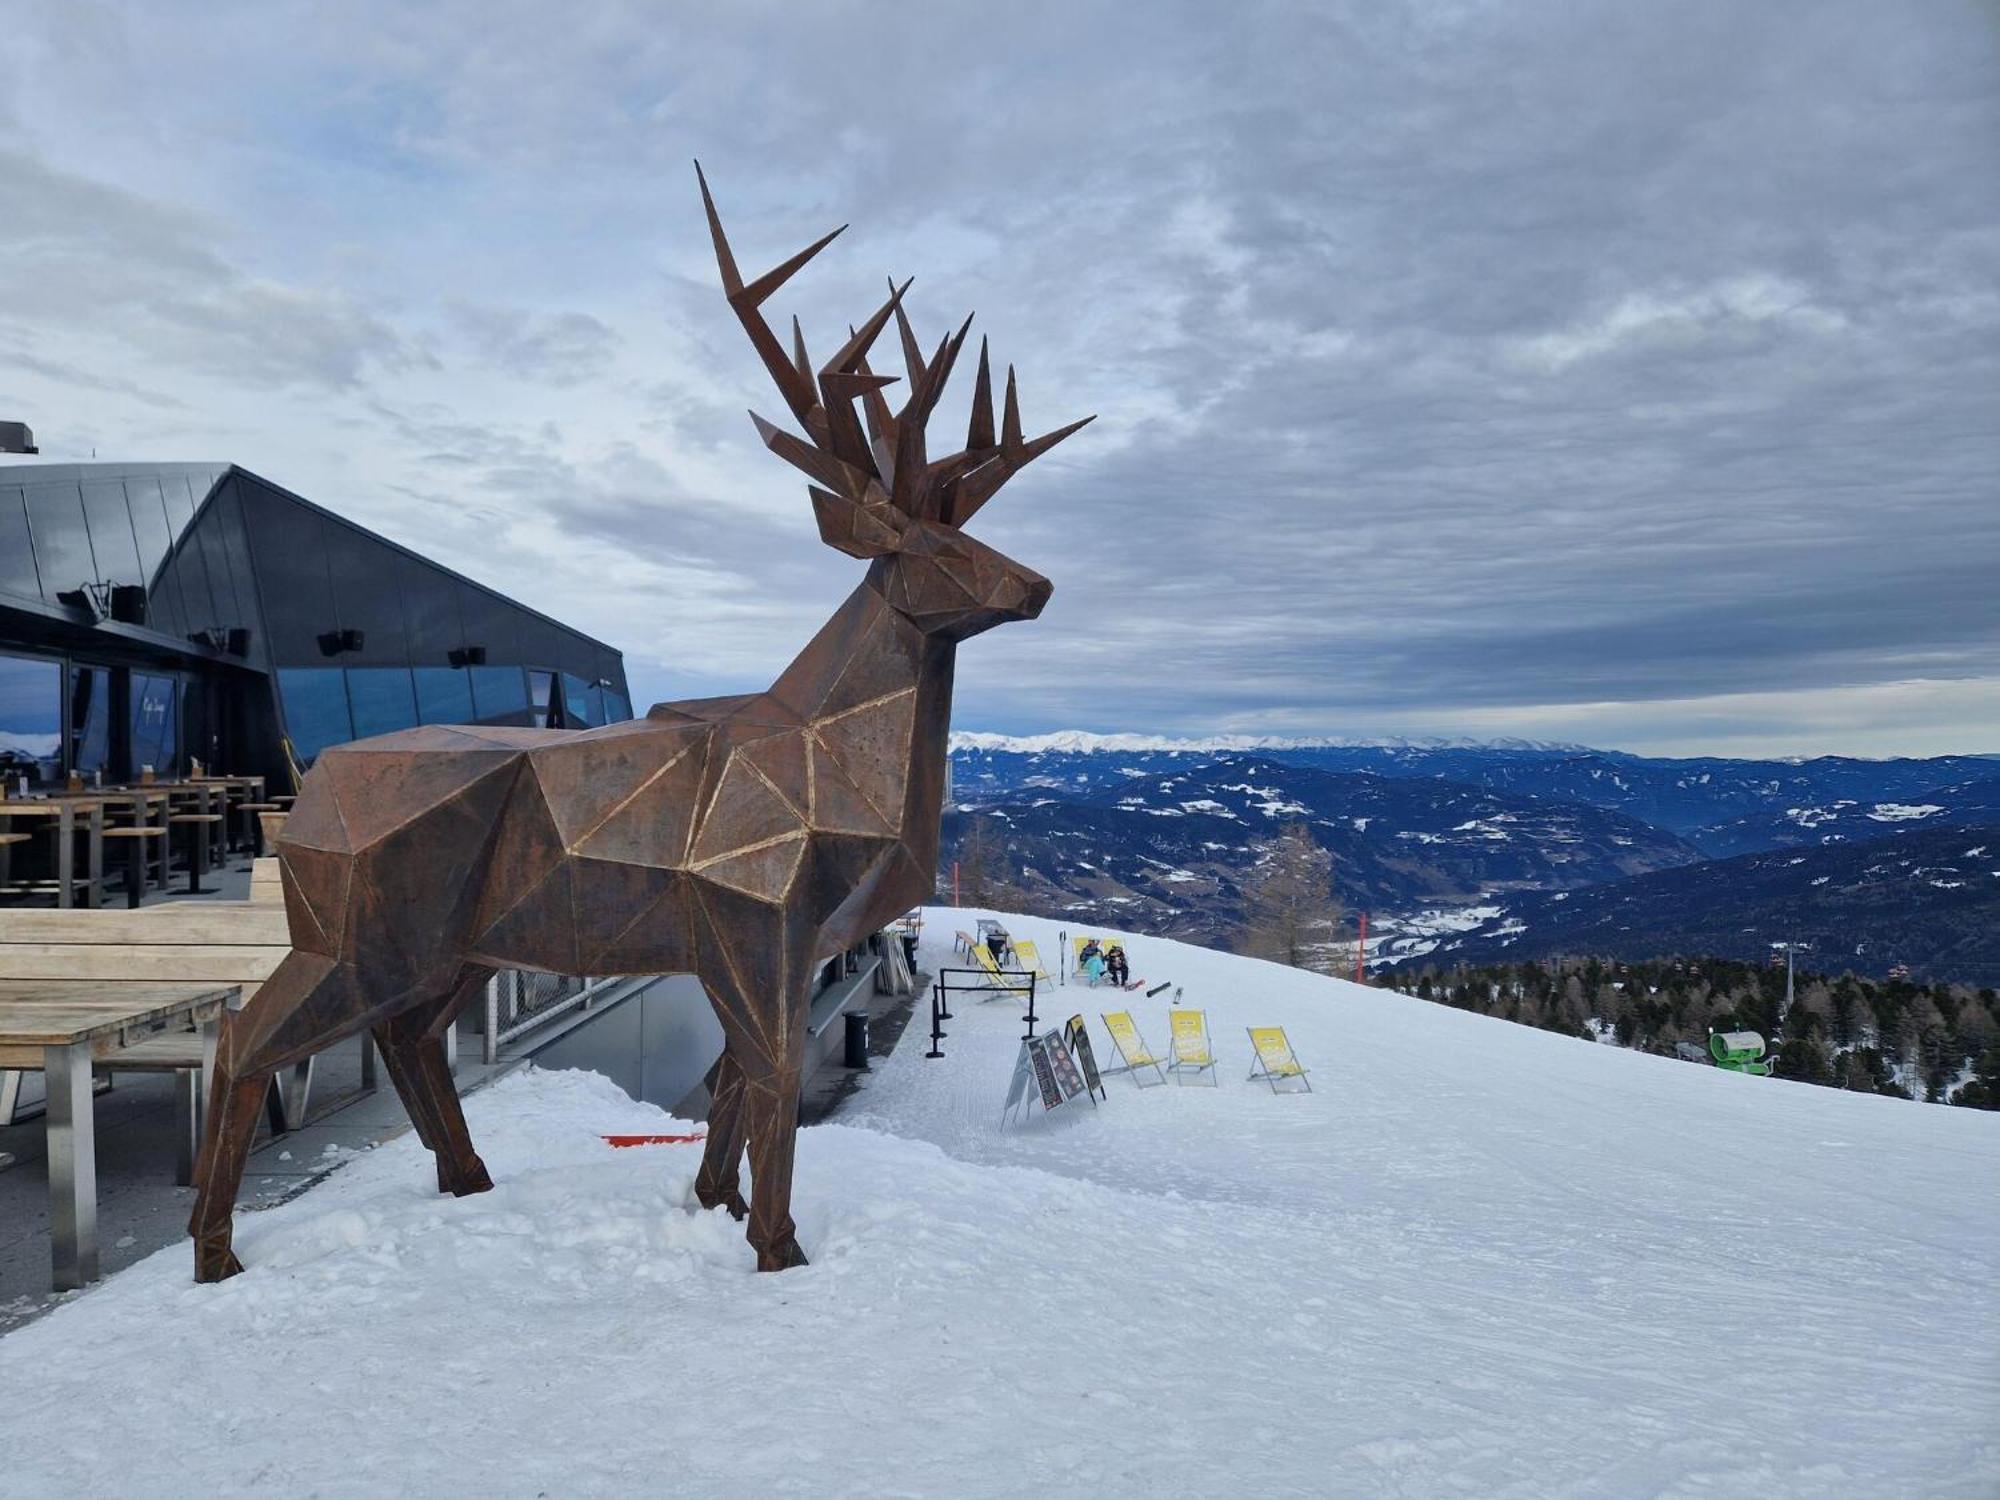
(520, 1000)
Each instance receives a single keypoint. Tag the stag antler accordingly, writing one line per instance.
(888, 465)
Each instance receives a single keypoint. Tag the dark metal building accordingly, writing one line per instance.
(149, 613)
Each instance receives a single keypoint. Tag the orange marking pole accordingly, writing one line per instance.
(652, 1140)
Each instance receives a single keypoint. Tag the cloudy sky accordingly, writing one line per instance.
(1627, 374)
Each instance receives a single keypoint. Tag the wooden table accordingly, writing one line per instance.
(147, 804)
(51, 1028)
(64, 810)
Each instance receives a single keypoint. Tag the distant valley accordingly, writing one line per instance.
(1473, 851)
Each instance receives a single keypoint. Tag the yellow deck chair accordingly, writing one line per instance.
(1192, 1052)
(1030, 959)
(1131, 1047)
(1275, 1057)
(1001, 979)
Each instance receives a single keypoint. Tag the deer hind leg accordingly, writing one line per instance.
(412, 1043)
(718, 1185)
(243, 1071)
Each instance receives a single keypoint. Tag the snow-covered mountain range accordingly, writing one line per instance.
(1467, 841)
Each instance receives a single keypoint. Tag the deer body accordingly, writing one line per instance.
(744, 840)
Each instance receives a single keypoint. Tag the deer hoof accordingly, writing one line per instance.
(782, 1256)
(730, 1198)
(216, 1265)
(464, 1184)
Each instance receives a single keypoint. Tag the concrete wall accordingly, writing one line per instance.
(657, 1045)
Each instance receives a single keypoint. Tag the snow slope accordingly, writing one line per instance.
(1480, 1260)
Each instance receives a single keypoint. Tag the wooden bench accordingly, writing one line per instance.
(103, 954)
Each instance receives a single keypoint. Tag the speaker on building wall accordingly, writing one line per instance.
(333, 642)
(128, 603)
(467, 656)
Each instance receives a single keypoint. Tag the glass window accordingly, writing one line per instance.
(383, 699)
(155, 726)
(180, 504)
(315, 703)
(291, 573)
(543, 710)
(62, 545)
(90, 719)
(17, 558)
(597, 704)
(500, 695)
(430, 610)
(617, 707)
(208, 527)
(156, 540)
(236, 547)
(30, 719)
(190, 569)
(111, 531)
(368, 596)
(577, 710)
(488, 623)
(444, 695)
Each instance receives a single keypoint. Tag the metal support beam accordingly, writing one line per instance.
(72, 1146)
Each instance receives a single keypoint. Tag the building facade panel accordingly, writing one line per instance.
(150, 613)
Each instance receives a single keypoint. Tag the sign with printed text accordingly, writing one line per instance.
(1086, 1058)
(1190, 1035)
(1045, 1073)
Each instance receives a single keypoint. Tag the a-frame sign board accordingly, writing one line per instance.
(1045, 1071)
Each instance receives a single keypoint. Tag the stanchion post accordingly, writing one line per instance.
(1031, 1005)
(937, 1031)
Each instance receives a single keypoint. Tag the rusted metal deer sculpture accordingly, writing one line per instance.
(743, 839)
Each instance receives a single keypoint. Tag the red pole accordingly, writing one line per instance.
(1361, 953)
(954, 885)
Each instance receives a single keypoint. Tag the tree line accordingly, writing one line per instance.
(1911, 1039)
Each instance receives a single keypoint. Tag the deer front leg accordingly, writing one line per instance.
(233, 1107)
(771, 1103)
(717, 1185)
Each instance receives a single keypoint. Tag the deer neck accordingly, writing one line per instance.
(866, 651)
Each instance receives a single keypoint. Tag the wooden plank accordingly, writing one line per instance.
(216, 963)
(239, 924)
(107, 988)
(175, 1050)
(29, 1023)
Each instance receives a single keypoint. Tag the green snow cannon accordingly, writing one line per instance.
(1738, 1051)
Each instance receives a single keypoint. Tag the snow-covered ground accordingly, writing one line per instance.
(1479, 1260)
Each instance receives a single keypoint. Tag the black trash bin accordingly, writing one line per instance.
(856, 1055)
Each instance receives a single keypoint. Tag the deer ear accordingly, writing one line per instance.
(864, 529)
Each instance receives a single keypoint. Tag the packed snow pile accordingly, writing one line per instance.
(1477, 1259)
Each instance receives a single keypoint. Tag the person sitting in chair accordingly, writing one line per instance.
(1115, 968)
(1090, 961)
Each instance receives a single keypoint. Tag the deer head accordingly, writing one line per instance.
(876, 492)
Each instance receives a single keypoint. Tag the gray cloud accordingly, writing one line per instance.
(1498, 361)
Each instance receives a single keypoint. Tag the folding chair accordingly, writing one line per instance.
(1275, 1057)
(1030, 959)
(1192, 1052)
(1002, 980)
(1131, 1047)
